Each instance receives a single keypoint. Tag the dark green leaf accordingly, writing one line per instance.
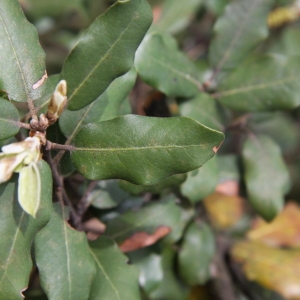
(9, 117)
(149, 218)
(288, 43)
(42, 104)
(228, 167)
(281, 127)
(65, 165)
(216, 6)
(55, 8)
(62, 256)
(198, 186)
(105, 51)
(175, 16)
(167, 183)
(266, 175)
(160, 64)
(169, 288)
(17, 231)
(22, 61)
(203, 109)
(242, 26)
(196, 254)
(104, 108)
(150, 266)
(143, 150)
(107, 194)
(262, 83)
(115, 279)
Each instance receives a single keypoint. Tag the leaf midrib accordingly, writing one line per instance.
(65, 230)
(12, 247)
(9, 121)
(135, 16)
(136, 148)
(105, 274)
(16, 56)
(181, 74)
(236, 37)
(251, 88)
(81, 120)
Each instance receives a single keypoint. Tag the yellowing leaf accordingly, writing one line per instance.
(275, 269)
(224, 211)
(283, 231)
(29, 189)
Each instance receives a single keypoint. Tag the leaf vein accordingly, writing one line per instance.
(103, 58)
(16, 56)
(105, 274)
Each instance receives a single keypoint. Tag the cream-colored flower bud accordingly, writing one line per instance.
(58, 102)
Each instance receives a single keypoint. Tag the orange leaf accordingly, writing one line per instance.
(283, 231)
(275, 269)
(224, 211)
(143, 239)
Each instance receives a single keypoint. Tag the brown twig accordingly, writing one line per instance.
(32, 109)
(54, 146)
(83, 205)
(59, 189)
(239, 122)
(23, 125)
(221, 285)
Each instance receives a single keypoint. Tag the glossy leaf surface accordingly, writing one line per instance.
(17, 231)
(262, 83)
(9, 117)
(242, 26)
(99, 58)
(266, 175)
(169, 287)
(161, 65)
(22, 57)
(196, 254)
(143, 150)
(104, 108)
(62, 256)
(164, 213)
(115, 279)
(150, 267)
(203, 109)
(167, 183)
(107, 194)
(199, 185)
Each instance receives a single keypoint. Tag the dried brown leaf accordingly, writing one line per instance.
(143, 239)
